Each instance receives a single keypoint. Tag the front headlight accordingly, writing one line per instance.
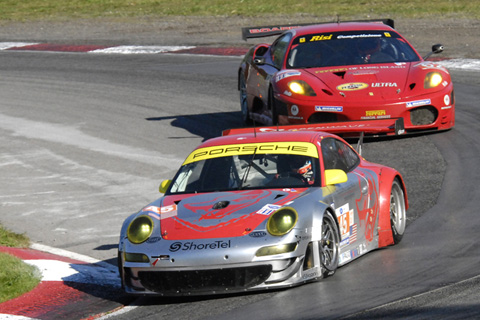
(136, 257)
(432, 79)
(282, 221)
(272, 250)
(140, 229)
(301, 87)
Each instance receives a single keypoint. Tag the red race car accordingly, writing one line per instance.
(346, 71)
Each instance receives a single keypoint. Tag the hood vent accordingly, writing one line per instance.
(220, 205)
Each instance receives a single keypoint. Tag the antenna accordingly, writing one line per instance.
(360, 143)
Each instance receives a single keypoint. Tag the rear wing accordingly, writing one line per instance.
(267, 31)
(370, 127)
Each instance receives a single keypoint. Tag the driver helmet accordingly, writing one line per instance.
(301, 165)
(368, 45)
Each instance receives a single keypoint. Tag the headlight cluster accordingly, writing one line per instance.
(272, 250)
(282, 221)
(432, 79)
(301, 87)
(140, 229)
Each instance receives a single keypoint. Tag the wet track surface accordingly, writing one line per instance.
(87, 138)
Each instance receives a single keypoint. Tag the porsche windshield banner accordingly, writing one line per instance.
(298, 148)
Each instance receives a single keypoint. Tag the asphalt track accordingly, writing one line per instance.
(86, 139)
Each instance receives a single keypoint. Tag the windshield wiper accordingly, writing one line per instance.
(245, 174)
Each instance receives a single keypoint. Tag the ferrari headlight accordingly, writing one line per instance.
(432, 79)
(282, 248)
(140, 229)
(301, 87)
(282, 221)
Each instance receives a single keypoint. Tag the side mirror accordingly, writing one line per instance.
(259, 61)
(258, 54)
(436, 48)
(335, 176)
(164, 186)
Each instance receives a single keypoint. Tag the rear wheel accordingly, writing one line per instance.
(329, 251)
(398, 215)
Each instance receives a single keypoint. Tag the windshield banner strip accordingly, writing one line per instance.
(298, 148)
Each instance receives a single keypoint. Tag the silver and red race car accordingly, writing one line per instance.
(260, 209)
(343, 71)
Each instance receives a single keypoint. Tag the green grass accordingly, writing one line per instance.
(16, 277)
(55, 10)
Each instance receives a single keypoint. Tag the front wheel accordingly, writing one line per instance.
(121, 271)
(272, 106)
(243, 99)
(398, 215)
(329, 245)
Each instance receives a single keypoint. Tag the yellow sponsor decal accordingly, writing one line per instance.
(387, 34)
(352, 86)
(332, 70)
(299, 148)
(321, 37)
(372, 113)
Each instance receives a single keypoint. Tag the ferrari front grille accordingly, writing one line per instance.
(204, 281)
(320, 117)
(423, 115)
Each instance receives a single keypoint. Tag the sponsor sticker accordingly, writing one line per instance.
(384, 85)
(328, 109)
(299, 148)
(418, 103)
(371, 113)
(446, 99)
(268, 209)
(286, 74)
(321, 37)
(294, 110)
(352, 86)
(192, 246)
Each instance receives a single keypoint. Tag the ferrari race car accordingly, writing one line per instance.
(343, 71)
(261, 210)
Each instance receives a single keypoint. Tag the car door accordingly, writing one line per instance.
(266, 66)
(350, 199)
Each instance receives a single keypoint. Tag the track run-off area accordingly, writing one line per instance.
(88, 133)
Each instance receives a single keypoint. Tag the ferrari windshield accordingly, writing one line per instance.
(246, 171)
(349, 48)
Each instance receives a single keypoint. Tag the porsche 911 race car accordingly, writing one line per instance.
(261, 210)
(341, 72)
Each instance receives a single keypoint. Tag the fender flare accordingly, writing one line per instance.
(386, 178)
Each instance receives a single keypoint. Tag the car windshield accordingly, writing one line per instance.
(349, 48)
(251, 171)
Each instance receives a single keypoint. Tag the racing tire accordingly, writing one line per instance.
(398, 212)
(329, 245)
(120, 269)
(243, 99)
(273, 107)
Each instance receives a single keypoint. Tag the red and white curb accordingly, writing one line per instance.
(32, 46)
(68, 288)
(465, 64)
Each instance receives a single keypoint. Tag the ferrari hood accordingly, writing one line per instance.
(217, 215)
(377, 82)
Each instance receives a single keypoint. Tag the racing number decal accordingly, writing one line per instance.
(345, 219)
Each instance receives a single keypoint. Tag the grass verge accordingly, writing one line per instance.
(16, 277)
(51, 10)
